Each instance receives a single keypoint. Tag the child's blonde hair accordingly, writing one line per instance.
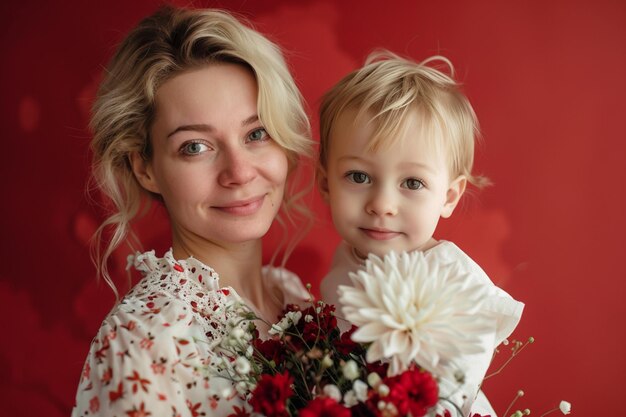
(386, 89)
(169, 42)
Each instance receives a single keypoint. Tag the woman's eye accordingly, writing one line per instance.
(413, 184)
(193, 148)
(258, 135)
(358, 177)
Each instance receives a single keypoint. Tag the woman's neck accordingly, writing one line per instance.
(238, 265)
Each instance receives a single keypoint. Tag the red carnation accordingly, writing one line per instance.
(414, 391)
(271, 394)
(321, 326)
(271, 349)
(346, 345)
(324, 407)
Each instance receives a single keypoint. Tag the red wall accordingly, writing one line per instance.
(547, 80)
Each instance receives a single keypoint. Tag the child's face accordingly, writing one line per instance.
(391, 198)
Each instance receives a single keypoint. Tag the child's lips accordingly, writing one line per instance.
(380, 234)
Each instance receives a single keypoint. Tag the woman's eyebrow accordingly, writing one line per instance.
(193, 128)
(203, 127)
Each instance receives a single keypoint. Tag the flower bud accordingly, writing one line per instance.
(373, 379)
(383, 390)
(350, 370)
(327, 362)
(360, 390)
(332, 391)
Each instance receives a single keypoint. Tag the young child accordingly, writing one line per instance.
(396, 154)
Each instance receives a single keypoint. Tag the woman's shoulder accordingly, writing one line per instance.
(173, 294)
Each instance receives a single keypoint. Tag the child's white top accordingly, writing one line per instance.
(504, 311)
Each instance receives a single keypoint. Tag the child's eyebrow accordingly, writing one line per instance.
(419, 165)
(404, 165)
(351, 158)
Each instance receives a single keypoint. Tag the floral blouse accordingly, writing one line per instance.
(151, 354)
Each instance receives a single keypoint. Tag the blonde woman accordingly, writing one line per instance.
(199, 112)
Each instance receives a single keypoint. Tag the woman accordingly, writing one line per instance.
(199, 112)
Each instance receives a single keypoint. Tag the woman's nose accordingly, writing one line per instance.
(382, 202)
(237, 168)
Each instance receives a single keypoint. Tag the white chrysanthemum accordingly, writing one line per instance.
(413, 309)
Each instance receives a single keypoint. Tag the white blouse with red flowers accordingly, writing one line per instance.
(151, 354)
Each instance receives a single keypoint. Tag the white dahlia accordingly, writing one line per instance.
(413, 310)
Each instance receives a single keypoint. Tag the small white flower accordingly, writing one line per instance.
(350, 370)
(242, 365)
(349, 399)
(238, 334)
(327, 362)
(332, 391)
(242, 388)
(294, 316)
(308, 318)
(360, 390)
(383, 390)
(291, 318)
(226, 392)
(374, 380)
(276, 330)
(414, 309)
(565, 407)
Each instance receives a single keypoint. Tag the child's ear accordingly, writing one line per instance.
(322, 182)
(455, 191)
(142, 169)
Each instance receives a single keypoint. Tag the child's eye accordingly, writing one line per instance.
(358, 177)
(193, 148)
(258, 135)
(413, 184)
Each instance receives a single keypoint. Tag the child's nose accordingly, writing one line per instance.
(382, 203)
(237, 168)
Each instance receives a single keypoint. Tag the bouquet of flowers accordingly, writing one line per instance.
(412, 321)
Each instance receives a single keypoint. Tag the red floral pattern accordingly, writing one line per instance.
(150, 355)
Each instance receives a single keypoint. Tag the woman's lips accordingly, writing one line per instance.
(380, 234)
(242, 207)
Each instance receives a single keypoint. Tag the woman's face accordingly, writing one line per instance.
(220, 174)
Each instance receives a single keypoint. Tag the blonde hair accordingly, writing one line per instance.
(386, 89)
(169, 42)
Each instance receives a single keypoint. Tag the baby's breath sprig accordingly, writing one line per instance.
(518, 395)
(564, 406)
(516, 349)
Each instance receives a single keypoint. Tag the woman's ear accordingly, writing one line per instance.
(142, 168)
(453, 195)
(322, 182)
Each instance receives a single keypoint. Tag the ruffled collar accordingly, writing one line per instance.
(292, 289)
(190, 268)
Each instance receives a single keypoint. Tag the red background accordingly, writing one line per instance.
(547, 80)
